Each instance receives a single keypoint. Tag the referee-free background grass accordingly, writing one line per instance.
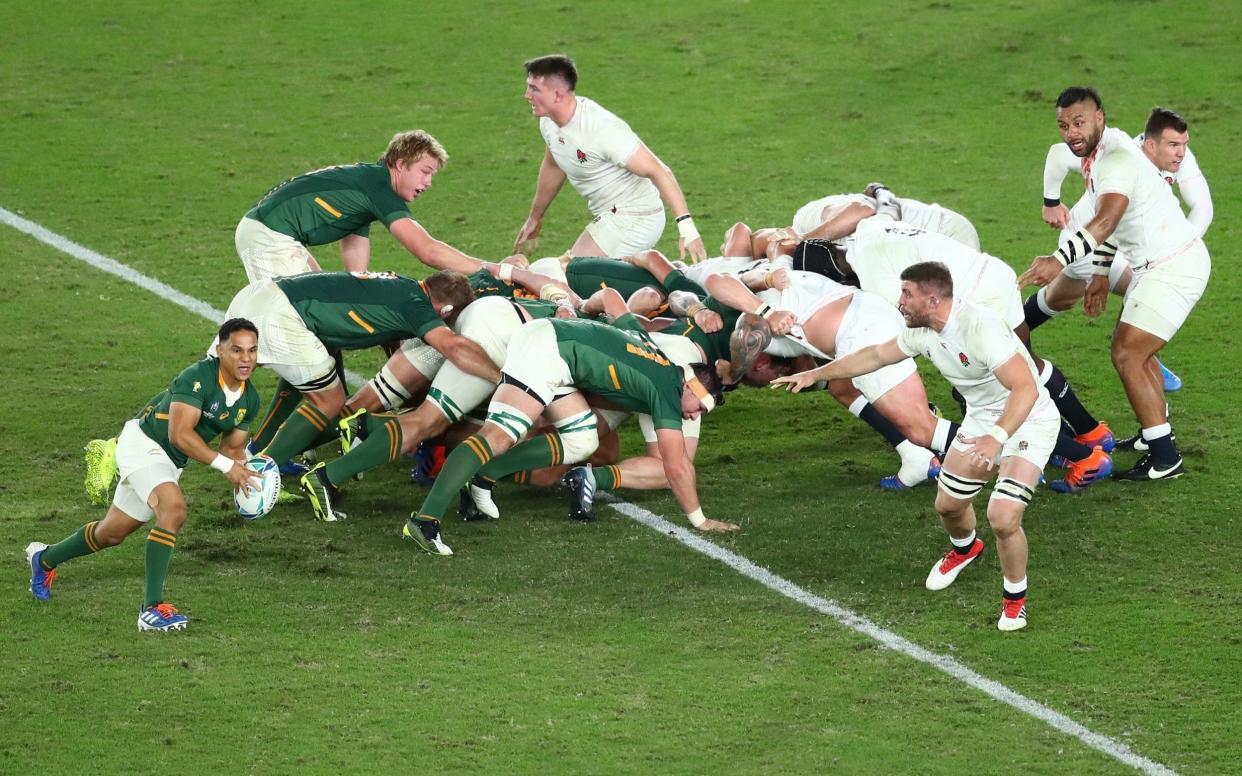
(544, 644)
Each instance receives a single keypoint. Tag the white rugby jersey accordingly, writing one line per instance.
(1153, 227)
(722, 265)
(808, 292)
(1191, 184)
(592, 150)
(883, 248)
(974, 343)
(811, 215)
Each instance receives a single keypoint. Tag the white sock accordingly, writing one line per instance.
(1015, 587)
(1042, 302)
(969, 540)
(1155, 432)
(857, 406)
(940, 437)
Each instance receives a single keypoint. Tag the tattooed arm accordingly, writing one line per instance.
(748, 340)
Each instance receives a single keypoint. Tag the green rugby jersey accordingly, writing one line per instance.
(621, 364)
(199, 385)
(715, 345)
(588, 274)
(485, 285)
(537, 308)
(325, 205)
(353, 310)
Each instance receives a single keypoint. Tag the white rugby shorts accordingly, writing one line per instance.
(620, 234)
(266, 253)
(285, 344)
(491, 322)
(869, 320)
(1160, 298)
(143, 466)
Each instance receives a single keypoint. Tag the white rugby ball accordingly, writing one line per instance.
(255, 502)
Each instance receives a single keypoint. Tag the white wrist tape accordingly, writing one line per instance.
(697, 518)
(685, 227)
(999, 434)
(764, 310)
(1077, 247)
(222, 463)
(506, 273)
(695, 309)
(553, 293)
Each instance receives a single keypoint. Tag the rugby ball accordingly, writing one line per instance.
(255, 502)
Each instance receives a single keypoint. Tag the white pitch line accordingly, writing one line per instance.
(741, 565)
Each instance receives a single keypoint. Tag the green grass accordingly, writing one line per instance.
(546, 645)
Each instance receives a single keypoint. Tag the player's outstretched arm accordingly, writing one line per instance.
(1108, 213)
(679, 470)
(465, 353)
(547, 186)
(860, 362)
(429, 250)
(182, 418)
(648, 165)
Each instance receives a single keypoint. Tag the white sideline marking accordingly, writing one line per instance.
(741, 565)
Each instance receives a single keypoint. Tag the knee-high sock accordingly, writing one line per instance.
(382, 445)
(538, 453)
(79, 543)
(1067, 447)
(607, 477)
(1037, 310)
(304, 426)
(1067, 402)
(160, 546)
(867, 413)
(459, 467)
(284, 401)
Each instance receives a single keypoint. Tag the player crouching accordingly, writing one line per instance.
(1011, 423)
(208, 398)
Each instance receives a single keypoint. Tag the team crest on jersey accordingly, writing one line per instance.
(197, 385)
(241, 414)
(1168, 179)
(581, 157)
(962, 357)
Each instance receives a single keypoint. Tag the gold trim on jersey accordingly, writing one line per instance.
(319, 201)
(356, 319)
(612, 372)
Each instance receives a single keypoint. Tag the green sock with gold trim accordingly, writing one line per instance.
(79, 543)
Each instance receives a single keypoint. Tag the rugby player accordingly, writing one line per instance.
(338, 204)
(209, 398)
(303, 320)
(606, 162)
(548, 366)
(1164, 142)
(1010, 426)
(1137, 216)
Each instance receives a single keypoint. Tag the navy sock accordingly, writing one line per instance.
(1035, 316)
(1067, 401)
(1071, 450)
(883, 426)
(1163, 450)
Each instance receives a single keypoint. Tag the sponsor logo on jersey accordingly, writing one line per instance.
(223, 415)
(1023, 445)
(560, 140)
(581, 156)
(962, 357)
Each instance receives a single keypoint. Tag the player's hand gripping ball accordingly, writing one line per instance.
(255, 501)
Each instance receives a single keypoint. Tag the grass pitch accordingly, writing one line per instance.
(546, 645)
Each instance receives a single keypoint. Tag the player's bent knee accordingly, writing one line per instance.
(388, 389)
(508, 421)
(579, 436)
(957, 486)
